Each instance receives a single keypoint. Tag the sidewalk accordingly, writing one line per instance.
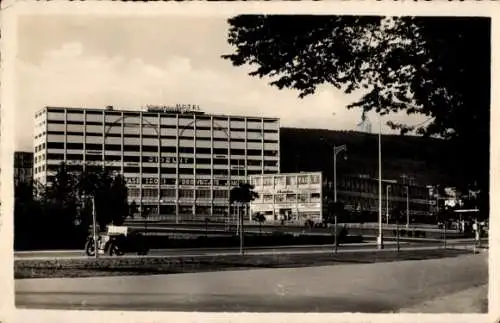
(472, 300)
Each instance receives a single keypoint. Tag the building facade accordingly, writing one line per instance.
(297, 197)
(360, 193)
(23, 167)
(176, 162)
(292, 197)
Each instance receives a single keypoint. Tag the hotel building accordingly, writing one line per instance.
(176, 161)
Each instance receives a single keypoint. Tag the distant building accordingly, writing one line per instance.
(176, 161)
(297, 197)
(365, 125)
(294, 197)
(360, 193)
(23, 167)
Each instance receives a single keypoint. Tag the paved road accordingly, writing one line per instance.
(209, 251)
(193, 252)
(382, 287)
(214, 227)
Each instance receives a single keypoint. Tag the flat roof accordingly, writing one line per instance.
(144, 110)
(285, 174)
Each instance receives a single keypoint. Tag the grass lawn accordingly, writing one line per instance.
(116, 266)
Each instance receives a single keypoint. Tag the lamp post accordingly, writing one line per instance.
(387, 190)
(336, 150)
(407, 206)
(94, 228)
(380, 239)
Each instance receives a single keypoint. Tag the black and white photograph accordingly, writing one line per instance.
(250, 162)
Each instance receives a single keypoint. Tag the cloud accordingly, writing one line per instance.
(68, 50)
(67, 76)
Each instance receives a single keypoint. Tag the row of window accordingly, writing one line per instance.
(171, 193)
(197, 138)
(108, 125)
(290, 198)
(371, 186)
(153, 170)
(364, 203)
(163, 160)
(288, 180)
(165, 171)
(39, 147)
(72, 111)
(168, 149)
(187, 209)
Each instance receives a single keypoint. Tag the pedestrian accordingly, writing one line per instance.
(475, 228)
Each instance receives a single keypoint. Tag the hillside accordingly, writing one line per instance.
(425, 159)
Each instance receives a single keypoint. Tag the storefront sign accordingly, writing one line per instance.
(169, 160)
(132, 180)
(177, 108)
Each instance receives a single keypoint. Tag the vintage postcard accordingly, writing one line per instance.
(249, 161)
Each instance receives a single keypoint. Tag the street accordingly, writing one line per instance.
(369, 246)
(380, 287)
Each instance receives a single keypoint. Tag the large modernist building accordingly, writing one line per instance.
(296, 197)
(176, 160)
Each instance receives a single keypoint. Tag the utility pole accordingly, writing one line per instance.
(387, 190)
(407, 207)
(336, 150)
(94, 227)
(242, 252)
(380, 238)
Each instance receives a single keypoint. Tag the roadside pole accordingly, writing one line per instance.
(444, 231)
(397, 234)
(94, 228)
(240, 219)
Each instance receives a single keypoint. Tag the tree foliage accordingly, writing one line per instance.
(437, 67)
(63, 209)
(244, 193)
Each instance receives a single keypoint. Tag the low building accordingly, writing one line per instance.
(297, 197)
(23, 167)
(293, 197)
(360, 194)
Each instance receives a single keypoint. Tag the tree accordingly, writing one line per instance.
(244, 194)
(260, 218)
(334, 209)
(133, 209)
(420, 65)
(27, 216)
(110, 195)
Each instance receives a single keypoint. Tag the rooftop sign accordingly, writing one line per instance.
(177, 108)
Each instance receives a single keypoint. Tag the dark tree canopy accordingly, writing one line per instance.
(433, 66)
(244, 193)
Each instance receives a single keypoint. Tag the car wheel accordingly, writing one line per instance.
(114, 250)
(90, 248)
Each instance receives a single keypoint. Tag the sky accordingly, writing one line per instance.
(131, 62)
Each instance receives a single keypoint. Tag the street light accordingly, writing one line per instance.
(336, 150)
(94, 227)
(380, 239)
(387, 190)
(407, 206)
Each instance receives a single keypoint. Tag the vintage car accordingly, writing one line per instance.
(116, 241)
